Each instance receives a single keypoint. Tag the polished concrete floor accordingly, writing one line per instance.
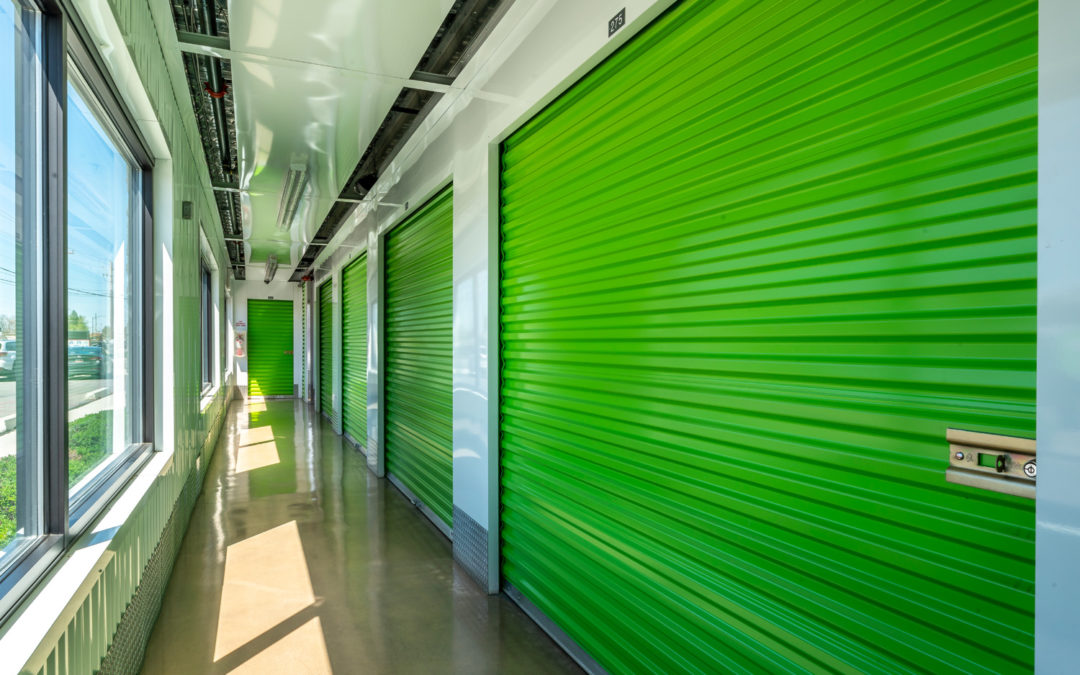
(299, 560)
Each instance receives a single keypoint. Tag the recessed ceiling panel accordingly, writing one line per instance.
(312, 81)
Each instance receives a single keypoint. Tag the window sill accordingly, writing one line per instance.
(207, 397)
(45, 614)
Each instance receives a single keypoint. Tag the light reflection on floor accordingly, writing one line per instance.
(299, 560)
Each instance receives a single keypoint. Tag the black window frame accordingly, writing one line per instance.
(64, 37)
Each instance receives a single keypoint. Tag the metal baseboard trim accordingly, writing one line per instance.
(471, 546)
(355, 443)
(572, 648)
(435, 520)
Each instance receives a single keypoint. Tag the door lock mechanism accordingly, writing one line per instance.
(1029, 469)
(992, 462)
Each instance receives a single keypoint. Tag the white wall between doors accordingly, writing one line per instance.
(1057, 506)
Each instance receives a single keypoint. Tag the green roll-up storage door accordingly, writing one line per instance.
(326, 349)
(419, 303)
(270, 347)
(354, 350)
(753, 267)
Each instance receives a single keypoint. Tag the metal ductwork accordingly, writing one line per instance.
(215, 86)
(210, 85)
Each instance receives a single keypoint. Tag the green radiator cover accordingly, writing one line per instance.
(326, 349)
(270, 347)
(354, 350)
(752, 267)
(419, 307)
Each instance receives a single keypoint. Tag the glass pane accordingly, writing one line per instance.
(100, 197)
(207, 328)
(20, 447)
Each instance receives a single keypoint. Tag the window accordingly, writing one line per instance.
(21, 477)
(75, 319)
(207, 319)
(103, 198)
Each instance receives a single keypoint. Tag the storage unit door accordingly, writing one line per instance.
(354, 350)
(419, 301)
(326, 349)
(753, 267)
(270, 347)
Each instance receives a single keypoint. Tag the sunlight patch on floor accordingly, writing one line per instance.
(266, 582)
(256, 435)
(301, 651)
(256, 456)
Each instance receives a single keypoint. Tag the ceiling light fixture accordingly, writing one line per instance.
(296, 181)
(271, 268)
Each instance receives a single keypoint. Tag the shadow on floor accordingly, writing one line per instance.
(299, 560)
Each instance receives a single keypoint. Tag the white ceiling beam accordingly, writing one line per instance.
(199, 40)
(207, 48)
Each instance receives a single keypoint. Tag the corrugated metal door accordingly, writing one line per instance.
(354, 350)
(419, 303)
(753, 266)
(270, 347)
(303, 336)
(326, 349)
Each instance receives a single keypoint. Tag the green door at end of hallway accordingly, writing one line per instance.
(326, 349)
(752, 268)
(419, 303)
(354, 350)
(270, 347)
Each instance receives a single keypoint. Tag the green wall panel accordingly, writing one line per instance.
(753, 266)
(270, 347)
(419, 307)
(354, 350)
(93, 613)
(326, 349)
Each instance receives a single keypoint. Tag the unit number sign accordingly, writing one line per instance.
(616, 22)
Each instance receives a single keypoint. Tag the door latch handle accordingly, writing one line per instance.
(992, 462)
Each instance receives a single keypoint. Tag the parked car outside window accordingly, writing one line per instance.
(7, 358)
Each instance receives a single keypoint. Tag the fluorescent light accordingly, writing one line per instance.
(271, 268)
(291, 190)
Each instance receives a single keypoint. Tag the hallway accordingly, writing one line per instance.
(299, 560)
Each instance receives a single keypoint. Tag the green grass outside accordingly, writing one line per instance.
(89, 440)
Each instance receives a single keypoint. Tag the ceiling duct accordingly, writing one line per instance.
(271, 268)
(409, 109)
(210, 86)
(296, 181)
(462, 31)
(215, 86)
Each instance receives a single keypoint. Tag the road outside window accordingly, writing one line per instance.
(102, 186)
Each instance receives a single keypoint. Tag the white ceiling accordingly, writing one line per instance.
(312, 81)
